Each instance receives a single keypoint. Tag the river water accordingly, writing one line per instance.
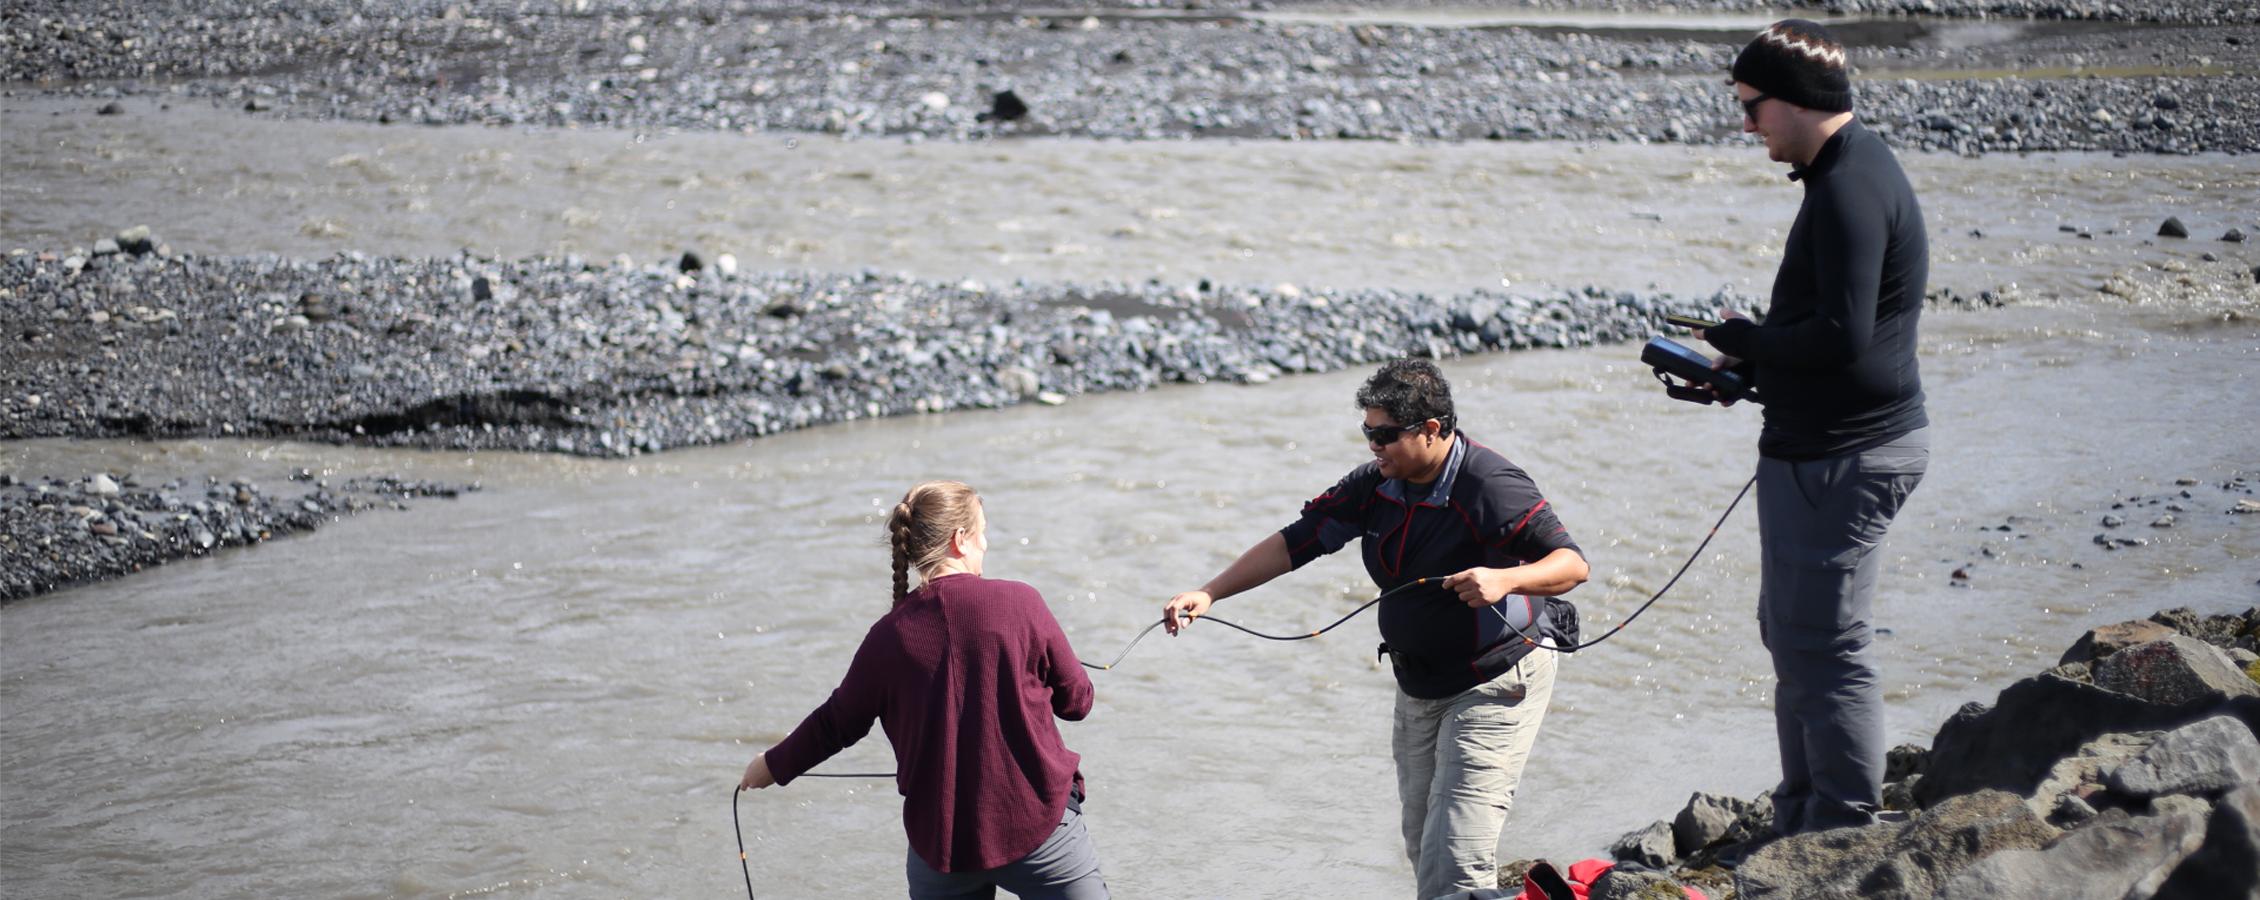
(547, 688)
(1444, 217)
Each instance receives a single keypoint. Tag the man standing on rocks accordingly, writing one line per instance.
(1845, 437)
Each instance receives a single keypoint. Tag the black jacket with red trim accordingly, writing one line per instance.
(1481, 511)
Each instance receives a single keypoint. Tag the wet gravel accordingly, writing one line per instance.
(559, 355)
(751, 67)
(55, 533)
(2095, 10)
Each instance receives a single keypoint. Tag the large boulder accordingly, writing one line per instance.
(2224, 631)
(1894, 861)
(1753, 822)
(2115, 856)
(2035, 722)
(1650, 847)
(1706, 821)
(1811, 864)
(2207, 757)
(2173, 671)
(2101, 642)
(2228, 866)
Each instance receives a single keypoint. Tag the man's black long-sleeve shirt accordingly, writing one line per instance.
(1835, 359)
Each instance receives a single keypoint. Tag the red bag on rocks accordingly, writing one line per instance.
(1543, 882)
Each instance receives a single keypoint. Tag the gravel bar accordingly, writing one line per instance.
(55, 533)
(559, 355)
(2133, 86)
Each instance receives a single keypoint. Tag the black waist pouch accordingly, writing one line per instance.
(1560, 623)
(1556, 625)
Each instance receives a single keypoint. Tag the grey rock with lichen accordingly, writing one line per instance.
(2113, 856)
(2206, 757)
(2174, 670)
(1913, 859)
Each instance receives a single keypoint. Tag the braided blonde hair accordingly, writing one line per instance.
(920, 527)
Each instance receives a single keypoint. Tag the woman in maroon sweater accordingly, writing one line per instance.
(965, 675)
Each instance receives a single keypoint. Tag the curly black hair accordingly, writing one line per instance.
(1411, 391)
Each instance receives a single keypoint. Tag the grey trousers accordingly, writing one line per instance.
(1459, 760)
(1064, 867)
(1819, 522)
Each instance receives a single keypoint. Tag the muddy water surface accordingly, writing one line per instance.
(548, 687)
(1442, 217)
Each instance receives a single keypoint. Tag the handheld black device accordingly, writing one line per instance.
(1690, 322)
(1671, 358)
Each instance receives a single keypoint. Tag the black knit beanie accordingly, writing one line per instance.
(1800, 62)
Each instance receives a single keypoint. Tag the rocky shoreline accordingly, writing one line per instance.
(884, 70)
(56, 533)
(2129, 770)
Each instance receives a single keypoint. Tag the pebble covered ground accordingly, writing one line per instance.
(61, 532)
(2166, 77)
(570, 357)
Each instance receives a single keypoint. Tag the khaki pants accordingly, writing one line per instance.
(1458, 762)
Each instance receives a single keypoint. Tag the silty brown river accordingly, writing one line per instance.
(549, 687)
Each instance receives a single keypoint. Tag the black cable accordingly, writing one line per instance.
(1352, 614)
(1418, 582)
(742, 868)
(1652, 598)
(746, 870)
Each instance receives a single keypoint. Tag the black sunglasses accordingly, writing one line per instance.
(1384, 435)
(1750, 106)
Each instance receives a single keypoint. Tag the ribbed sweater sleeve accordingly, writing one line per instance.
(840, 721)
(1072, 693)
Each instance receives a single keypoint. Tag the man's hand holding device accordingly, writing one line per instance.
(1706, 380)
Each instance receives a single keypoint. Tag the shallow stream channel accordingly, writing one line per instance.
(549, 687)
